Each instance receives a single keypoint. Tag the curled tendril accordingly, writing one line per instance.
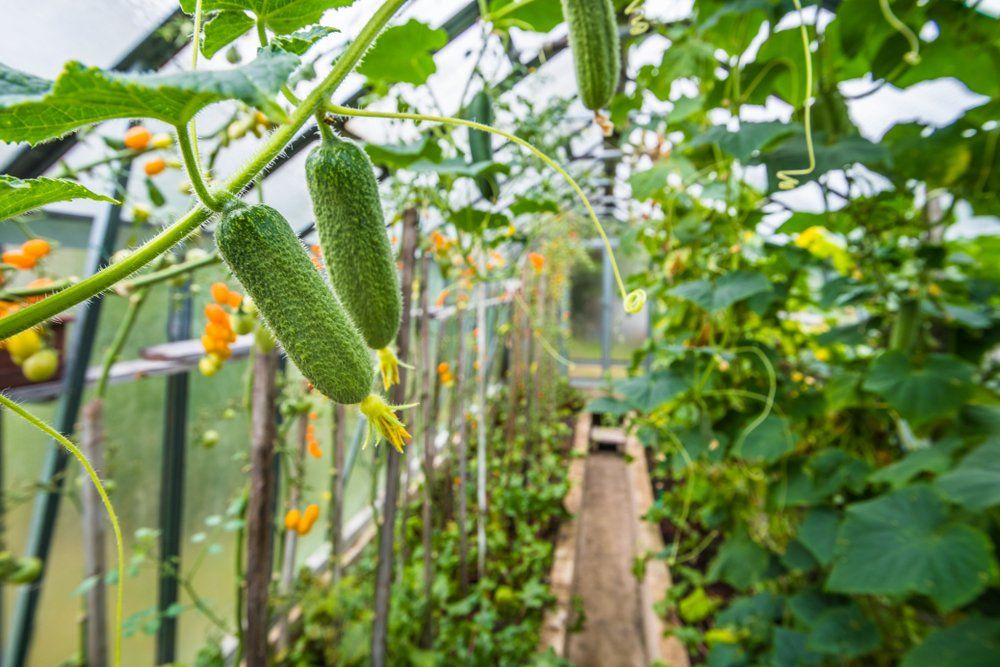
(368, 113)
(911, 57)
(635, 301)
(786, 177)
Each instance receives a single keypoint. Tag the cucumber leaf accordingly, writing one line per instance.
(19, 196)
(82, 95)
(280, 16)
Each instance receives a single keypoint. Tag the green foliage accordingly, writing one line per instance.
(404, 54)
(257, 244)
(351, 227)
(19, 196)
(843, 511)
(35, 110)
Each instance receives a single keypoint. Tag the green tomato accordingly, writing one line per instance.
(242, 323)
(41, 366)
(23, 345)
(210, 438)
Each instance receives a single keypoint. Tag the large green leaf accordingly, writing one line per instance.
(746, 142)
(20, 196)
(404, 54)
(476, 221)
(818, 533)
(741, 563)
(724, 292)
(844, 631)
(972, 642)
(825, 473)
(904, 543)
(280, 16)
(81, 95)
(648, 392)
(397, 156)
(222, 29)
(935, 459)
(920, 394)
(975, 482)
(534, 16)
(458, 167)
(771, 440)
(789, 650)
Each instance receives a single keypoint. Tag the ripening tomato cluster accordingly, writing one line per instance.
(29, 350)
(221, 327)
(312, 443)
(446, 377)
(140, 139)
(27, 256)
(302, 522)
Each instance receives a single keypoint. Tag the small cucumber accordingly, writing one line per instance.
(593, 39)
(352, 234)
(481, 143)
(267, 258)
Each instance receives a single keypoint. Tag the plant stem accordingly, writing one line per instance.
(162, 275)
(177, 232)
(23, 292)
(121, 335)
(119, 543)
(193, 170)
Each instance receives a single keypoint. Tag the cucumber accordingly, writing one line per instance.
(593, 39)
(481, 144)
(270, 262)
(352, 234)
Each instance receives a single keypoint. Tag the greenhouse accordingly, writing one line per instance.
(500, 332)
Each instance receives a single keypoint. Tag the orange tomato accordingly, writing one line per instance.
(215, 313)
(137, 138)
(154, 166)
(292, 518)
(216, 331)
(36, 248)
(18, 260)
(234, 300)
(220, 293)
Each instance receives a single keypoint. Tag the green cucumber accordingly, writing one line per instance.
(352, 234)
(593, 39)
(270, 262)
(481, 143)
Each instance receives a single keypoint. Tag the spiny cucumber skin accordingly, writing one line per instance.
(593, 39)
(481, 144)
(267, 258)
(356, 249)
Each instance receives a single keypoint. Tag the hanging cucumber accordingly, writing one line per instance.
(356, 248)
(593, 39)
(267, 258)
(481, 144)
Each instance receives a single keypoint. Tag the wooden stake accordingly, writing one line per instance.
(383, 572)
(260, 506)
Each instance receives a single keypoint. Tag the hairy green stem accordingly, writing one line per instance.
(162, 275)
(190, 156)
(85, 463)
(121, 335)
(16, 293)
(166, 239)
